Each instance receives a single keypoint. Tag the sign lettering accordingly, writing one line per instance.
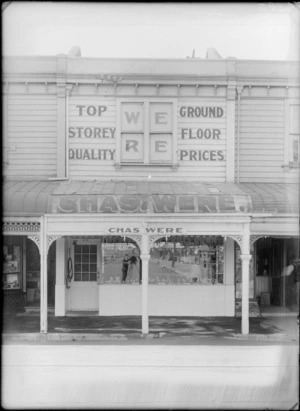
(148, 230)
(201, 155)
(199, 133)
(150, 203)
(132, 117)
(210, 112)
(92, 132)
(91, 154)
(91, 110)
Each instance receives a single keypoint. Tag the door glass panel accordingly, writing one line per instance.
(85, 257)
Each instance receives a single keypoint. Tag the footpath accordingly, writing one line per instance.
(268, 327)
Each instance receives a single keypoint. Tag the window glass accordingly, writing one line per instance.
(85, 267)
(294, 134)
(187, 261)
(121, 263)
(147, 133)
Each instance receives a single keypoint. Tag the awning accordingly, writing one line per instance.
(123, 197)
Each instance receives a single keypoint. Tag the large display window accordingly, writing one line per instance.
(193, 260)
(187, 260)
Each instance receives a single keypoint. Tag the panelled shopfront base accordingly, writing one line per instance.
(168, 300)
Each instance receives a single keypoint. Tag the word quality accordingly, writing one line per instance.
(91, 154)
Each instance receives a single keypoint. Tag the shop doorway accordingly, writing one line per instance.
(268, 265)
(33, 267)
(84, 260)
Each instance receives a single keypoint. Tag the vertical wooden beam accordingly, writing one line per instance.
(60, 288)
(61, 116)
(44, 275)
(245, 257)
(230, 130)
(24, 264)
(145, 257)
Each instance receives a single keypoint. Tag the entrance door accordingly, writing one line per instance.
(84, 289)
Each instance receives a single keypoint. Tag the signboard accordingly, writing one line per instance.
(147, 131)
(149, 203)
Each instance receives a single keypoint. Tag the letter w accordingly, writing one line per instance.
(132, 117)
(164, 203)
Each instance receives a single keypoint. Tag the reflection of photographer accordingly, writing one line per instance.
(125, 264)
(293, 270)
(133, 268)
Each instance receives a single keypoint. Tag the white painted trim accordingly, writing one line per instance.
(230, 139)
(146, 133)
(286, 131)
(43, 277)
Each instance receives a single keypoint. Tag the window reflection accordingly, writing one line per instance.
(177, 263)
(120, 264)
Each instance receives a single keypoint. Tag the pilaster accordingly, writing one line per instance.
(61, 115)
(230, 130)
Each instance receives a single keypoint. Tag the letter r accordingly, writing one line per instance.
(131, 144)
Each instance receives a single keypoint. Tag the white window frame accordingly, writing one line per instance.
(146, 132)
(288, 140)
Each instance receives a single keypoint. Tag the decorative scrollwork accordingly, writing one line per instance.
(137, 239)
(238, 238)
(51, 239)
(152, 239)
(37, 240)
(253, 239)
(20, 227)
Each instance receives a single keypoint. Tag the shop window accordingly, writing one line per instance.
(85, 262)
(11, 278)
(293, 138)
(147, 133)
(120, 263)
(187, 260)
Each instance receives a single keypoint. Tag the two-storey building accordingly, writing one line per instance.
(149, 186)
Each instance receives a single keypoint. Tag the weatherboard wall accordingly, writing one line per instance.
(30, 132)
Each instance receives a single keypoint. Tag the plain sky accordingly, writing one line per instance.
(259, 31)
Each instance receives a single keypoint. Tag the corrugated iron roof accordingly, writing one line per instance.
(37, 197)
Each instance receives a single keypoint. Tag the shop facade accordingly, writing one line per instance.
(184, 181)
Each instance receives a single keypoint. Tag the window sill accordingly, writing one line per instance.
(119, 166)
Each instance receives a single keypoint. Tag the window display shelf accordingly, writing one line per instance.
(11, 274)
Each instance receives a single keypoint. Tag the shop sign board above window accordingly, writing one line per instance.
(150, 203)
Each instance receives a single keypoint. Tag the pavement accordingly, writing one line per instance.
(269, 327)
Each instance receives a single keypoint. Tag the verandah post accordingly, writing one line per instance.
(44, 281)
(245, 257)
(145, 257)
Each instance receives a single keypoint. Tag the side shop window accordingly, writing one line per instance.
(147, 133)
(294, 135)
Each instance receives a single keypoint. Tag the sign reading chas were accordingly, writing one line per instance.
(149, 203)
(206, 143)
(146, 230)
